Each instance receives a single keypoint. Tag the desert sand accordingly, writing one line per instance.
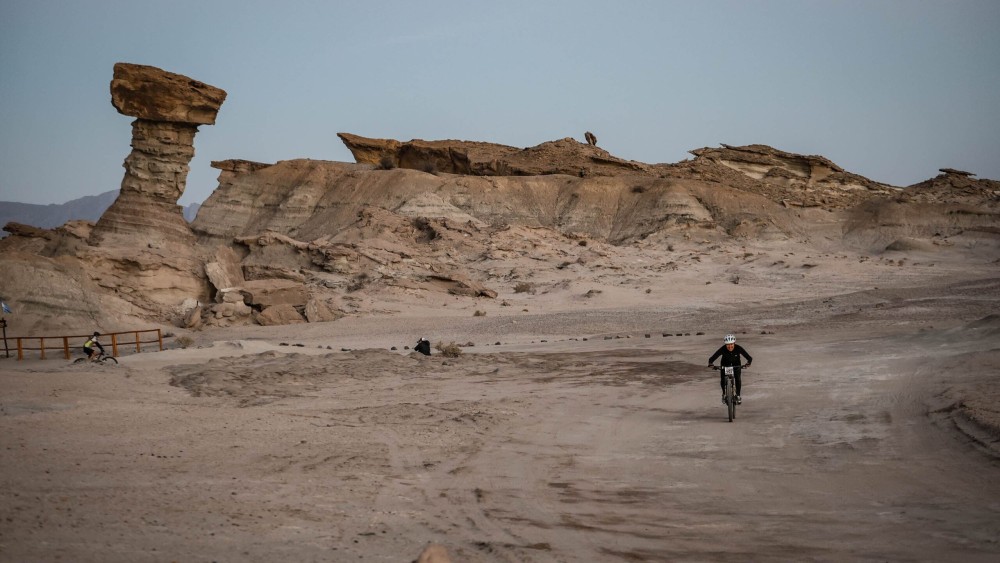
(575, 428)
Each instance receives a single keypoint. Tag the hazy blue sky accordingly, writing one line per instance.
(891, 89)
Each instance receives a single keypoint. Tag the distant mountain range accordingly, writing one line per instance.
(88, 208)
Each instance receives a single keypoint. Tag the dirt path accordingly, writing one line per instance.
(576, 450)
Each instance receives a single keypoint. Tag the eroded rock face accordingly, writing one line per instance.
(307, 200)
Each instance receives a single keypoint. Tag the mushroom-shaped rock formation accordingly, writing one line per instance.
(169, 108)
(142, 242)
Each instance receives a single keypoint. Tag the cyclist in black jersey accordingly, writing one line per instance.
(730, 353)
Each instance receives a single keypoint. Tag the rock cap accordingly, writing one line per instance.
(151, 93)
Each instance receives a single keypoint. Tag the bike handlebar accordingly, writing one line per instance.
(713, 366)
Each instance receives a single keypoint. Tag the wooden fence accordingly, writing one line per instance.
(65, 345)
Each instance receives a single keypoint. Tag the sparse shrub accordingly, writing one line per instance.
(429, 167)
(386, 162)
(638, 189)
(448, 350)
(359, 282)
(184, 341)
(524, 287)
(592, 293)
(479, 313)
(649, 290)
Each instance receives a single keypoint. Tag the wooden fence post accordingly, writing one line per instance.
(159, 336)
(114, 344)
(20, 349)
(41, 345)
(66, 346)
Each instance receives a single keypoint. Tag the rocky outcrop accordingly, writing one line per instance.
(928, 214)
(792, 179)
(955, 186)
(565, 156)
(27, 231)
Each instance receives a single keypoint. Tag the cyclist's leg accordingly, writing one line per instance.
(738, 383)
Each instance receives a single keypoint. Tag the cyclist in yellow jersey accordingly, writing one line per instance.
(88, 346)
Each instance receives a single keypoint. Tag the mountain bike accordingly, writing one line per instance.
(730, 393)
(100, 357)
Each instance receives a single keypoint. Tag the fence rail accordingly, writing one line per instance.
(62, 343)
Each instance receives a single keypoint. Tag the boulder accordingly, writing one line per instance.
(270, 293)
(434, 553)
(461, 285)
(279, 315)
(192, 319)
(224, 272)
(320, 310)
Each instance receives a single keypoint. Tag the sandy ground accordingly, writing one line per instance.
(868, 432)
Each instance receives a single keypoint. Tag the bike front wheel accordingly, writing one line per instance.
(110, 360)
(731, 400)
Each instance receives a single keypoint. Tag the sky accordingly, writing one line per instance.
(889, 89)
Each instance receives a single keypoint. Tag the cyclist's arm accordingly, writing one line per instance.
(715, 355)
(746, 355)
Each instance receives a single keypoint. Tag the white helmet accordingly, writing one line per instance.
(730, 339)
